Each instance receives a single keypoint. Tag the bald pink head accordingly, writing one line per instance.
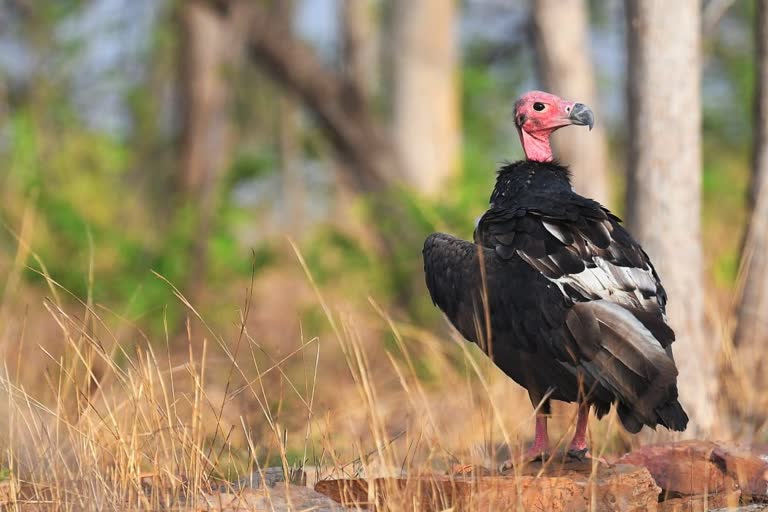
(538, 114)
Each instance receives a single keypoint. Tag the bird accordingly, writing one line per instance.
(558, 293)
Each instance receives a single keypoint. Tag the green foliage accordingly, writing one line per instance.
(724, 188)
(91, 218)
(249, 165)
(109, 204)
(333, 254)
(730, 67)
(727, 134)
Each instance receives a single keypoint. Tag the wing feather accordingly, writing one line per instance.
(526, 311)
(580, 247)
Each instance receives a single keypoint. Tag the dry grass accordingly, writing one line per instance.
(104, 418)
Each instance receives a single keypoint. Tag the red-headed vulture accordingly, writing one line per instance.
(558, 293)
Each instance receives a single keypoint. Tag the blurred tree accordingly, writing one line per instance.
(204, 46)
(208, 45)
(426, 124)
(288, 137)
(751, 335)
(368, 161)
(351, 126)
(361, 45)
(3, 101)
(664, 182)
(565, 68)
(359, 61)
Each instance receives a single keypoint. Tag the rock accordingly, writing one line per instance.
(705, 468)
(468, 470)
(280, 498)
(748, 465)
(265, 490)
(700, 503)
(682, 468)
(271, 476)
(755, 507)
(569, 487)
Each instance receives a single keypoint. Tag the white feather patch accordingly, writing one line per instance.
(627, 286)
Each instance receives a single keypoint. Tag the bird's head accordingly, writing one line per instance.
(538, 114)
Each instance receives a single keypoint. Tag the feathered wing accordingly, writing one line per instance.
(477, 291)
(616, 334)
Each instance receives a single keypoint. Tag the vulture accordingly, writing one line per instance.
(557, 293)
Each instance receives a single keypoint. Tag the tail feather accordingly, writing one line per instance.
(624, 356)
(629, 419)
(670, 415)
(673, 416)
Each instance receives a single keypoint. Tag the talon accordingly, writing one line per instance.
(584, 455)
(528, 458)
(580, 455)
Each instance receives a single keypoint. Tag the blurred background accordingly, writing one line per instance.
(158, 159)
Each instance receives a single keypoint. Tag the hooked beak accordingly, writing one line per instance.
(581, 115)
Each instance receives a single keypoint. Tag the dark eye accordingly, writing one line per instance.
(538, 106)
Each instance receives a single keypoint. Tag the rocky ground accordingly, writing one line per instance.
(689, 476)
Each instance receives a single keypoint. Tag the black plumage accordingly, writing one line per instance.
(562, 298)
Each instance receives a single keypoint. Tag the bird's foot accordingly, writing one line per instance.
(579, 454)
(583, 455)
(528, 457)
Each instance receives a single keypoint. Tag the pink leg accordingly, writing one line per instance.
(540, 448)
(541, 441)
(579, 443)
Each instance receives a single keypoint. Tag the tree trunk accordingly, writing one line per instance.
(425, 97)
(664, 182)
(207, 46)
(288, 135)
(360, 71)
(204, 93)
(361, 46)
(751, 335)
(565, 68)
